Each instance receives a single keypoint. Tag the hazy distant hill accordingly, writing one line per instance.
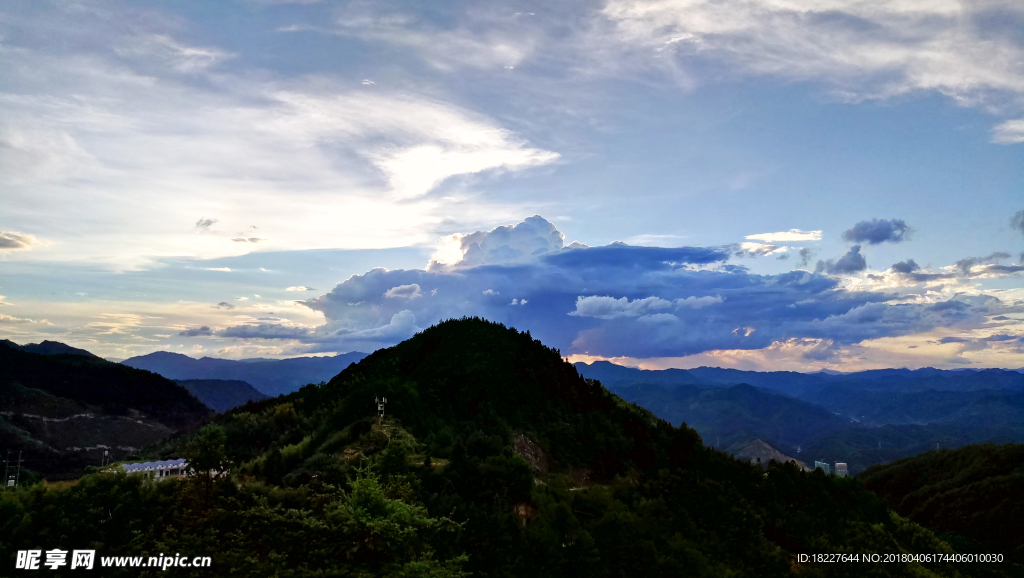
(221, 395)
(62, 410)
(878, 416)
(974, 492)
(271, 377)
(822, 388)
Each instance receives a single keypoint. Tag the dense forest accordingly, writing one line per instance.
(974, 493)
(494, 458)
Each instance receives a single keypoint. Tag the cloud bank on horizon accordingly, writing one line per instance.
(637, 303)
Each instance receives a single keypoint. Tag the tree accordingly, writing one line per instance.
(206, 457)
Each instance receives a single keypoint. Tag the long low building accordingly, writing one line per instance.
(160, 469)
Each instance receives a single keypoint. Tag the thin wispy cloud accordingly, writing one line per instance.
(860, 50)
(245, 149)
(791, 235)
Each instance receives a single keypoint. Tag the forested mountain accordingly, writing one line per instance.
(493, 458)
(270, 376)
(62, 410)
(726, 415)
(876, 416)
(973, 493)
(221, 395)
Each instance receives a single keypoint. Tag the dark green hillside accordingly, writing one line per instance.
(63, 409)
(463, 377)
(726, 415)
(974, 492)
(110, 386)
(495, 458)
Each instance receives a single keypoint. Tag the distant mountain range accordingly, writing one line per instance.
(271, 377)
(861, 418)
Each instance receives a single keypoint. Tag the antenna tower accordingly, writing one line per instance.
(380, 407)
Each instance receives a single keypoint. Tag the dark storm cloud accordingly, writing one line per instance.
(965, 265)
(851, 262)
(805, 256)
(264, 331)
(968, 344)
(623, 256)
(622, 300)
(908, 266)
(203, 331)
(878, 231)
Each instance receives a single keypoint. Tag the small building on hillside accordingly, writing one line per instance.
(841, 470)
(824, 467)
(158, 470)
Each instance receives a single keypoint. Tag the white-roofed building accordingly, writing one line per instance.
(159, 469)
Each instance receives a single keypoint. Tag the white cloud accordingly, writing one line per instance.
(750, 249)
(14, 241)
(1009, 132)
(221, 269)
(506, 244)
(786, 236)
(430, 141)
(299, 288)
(861, 49)
(698, 302)
(499, 44)
(12, 319)
(604, 307)
(117, 157)
(411, 291)
(181, 57)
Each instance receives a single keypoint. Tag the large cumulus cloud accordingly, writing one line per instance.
(618, 300)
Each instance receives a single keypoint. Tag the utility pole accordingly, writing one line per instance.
(17, 476)
(380, 407)
(7, 467)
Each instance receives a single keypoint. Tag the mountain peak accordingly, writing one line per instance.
(49, 348)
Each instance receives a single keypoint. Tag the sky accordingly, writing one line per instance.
(773, 185)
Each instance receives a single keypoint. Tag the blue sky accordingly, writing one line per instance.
(233, 179)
